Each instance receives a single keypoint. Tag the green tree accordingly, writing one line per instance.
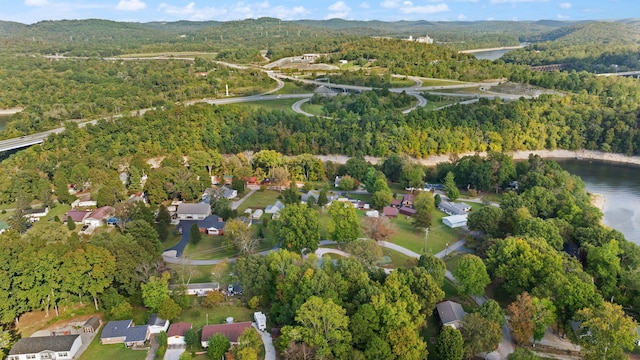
(168, 309)
(381, 198)
(322, 198)
(155, 291)
(424, 206)
(71, 225)
(190, 337)
(345, 221)
(392, 167)
(472, 276)
(251, 340)
(356, 167)
(450, 187)
(434, 267)
(366, 251)
(346, 183)
(607, 332)
(491, 310)
(544, 315)
(523, 354)
(479, 334)
(487, 220)
(449, 345)
(603, 263)
(195, 235)
(218, 345)
(291, 194)
(412, 175)
(323, 325)
(298, 228)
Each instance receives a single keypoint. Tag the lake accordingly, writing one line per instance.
(620, 186)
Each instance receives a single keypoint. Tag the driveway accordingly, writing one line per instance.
(172, 354)
(269, 350)
(186, 235)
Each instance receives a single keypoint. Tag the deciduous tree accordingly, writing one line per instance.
(298, 228)
(155, 290)
(218, 346)
(479, 334)
(424, 206)
(607, 332)
(472, 276)
(450, 187)
(521, 314)
(345, 221)
(379, 228)
(241, 236)
(449, 345)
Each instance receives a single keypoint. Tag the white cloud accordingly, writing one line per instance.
(338, 10)
(35, 2)
(462, 17)
(409, 8)
(236, 11)
(565, 5)
(364, 5)
(130, 5)
(514, 1)
(390, 4)
(562, 17)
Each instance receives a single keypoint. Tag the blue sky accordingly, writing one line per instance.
(31, 11)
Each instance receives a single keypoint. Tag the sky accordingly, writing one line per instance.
(32, 11)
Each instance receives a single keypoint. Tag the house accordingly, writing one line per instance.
(35, 214)
(451, 313)
(124, 331)
(390, 211)
(230, 331)
(84, 201)
(98, 217)
(211, 225)
(246, 220)
(175, 335)
(257, 214)
(455, 221)
(261, 320)
(229, 193)
(157, 324)
(227, 179)
(407, 200)
(372, 213)
(407, 211)
(197, 211)
(137, 197)
(91, 325)
(454, 208)
(46, 347)
(251, 180)
(313, 193)
(197, 289)
(396, 203)
(77, 216)
(275, 208)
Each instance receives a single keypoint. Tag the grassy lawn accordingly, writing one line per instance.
(399, 82)
(440, 82)
(291, 87)
(398, 260)
(218, 247)
(452, 260)
(199, 273)
(432, 104)
(412, 239)
(314, 109)
(97, 351)
(173, 238)
(280, 104)
(259, 200)
(197, 315)
(206, 55)
(465, 90)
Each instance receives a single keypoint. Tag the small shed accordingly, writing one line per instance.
(455, 221)
(372, 213)
(407, 211)
(91, 325)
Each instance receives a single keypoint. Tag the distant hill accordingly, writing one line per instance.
(10, 27)
(591, 33)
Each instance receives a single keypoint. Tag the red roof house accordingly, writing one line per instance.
(390, 211)
(230, 331)
(175, 335)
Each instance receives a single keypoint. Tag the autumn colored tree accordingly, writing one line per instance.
(379, 228)
(521, 313)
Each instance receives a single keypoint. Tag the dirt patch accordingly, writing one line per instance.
(521, 89)
(34, 321)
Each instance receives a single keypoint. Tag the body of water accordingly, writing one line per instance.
(620, 186)
(490, 55)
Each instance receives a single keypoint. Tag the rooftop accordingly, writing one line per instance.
(178, 329)
(450, 312)
(188, 208)
(34, 345)
(231, 331)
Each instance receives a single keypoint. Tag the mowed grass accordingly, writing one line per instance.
(291, 87)
(97, 351)
(197, 315)
(399, 82)
(198, 273)
(219, 247)
(259, 200)
(205, 55)
(435, 104)
(314, 109)
(440, 82)
(280, 104)
(414, 239)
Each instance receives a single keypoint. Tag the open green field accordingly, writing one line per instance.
(435, 104)
(97, 351)
(291, 87)
(412, 239)
(259, 200)
(314, 109)
(198, 273)
(463, 90)
(280, 104)
(218, 247)
(179, 54)
(399, 82)
(440, 82)
(197, 315)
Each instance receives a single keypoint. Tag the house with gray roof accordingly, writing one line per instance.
(451, 313)
(124, 331)
(197, 289)
(46, 347)
(212, 225)
(450, 208)
(187, 211)
(157, 324)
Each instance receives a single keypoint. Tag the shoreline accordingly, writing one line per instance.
(11, 111)
(471, 51)
(517, 155)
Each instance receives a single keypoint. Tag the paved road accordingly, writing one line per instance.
(269, 350)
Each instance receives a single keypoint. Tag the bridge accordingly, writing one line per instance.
(550, 67)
